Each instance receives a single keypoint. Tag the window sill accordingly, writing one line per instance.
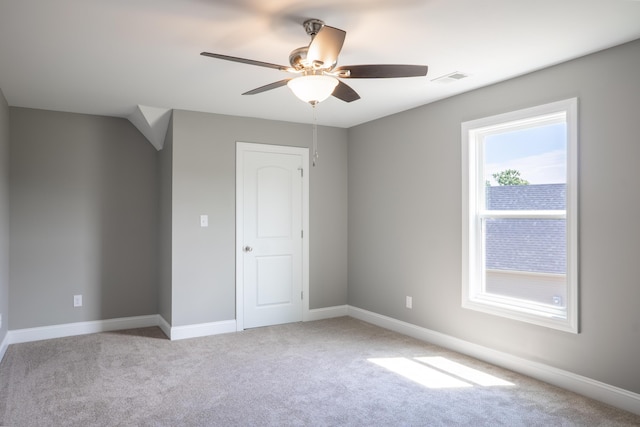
(550, 318)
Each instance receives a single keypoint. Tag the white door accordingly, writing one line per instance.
(271, 221)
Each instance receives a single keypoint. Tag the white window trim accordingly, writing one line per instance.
(472, 199)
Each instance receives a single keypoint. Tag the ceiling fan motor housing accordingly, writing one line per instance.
(298, 58)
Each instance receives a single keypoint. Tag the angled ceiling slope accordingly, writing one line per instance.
(152, 122)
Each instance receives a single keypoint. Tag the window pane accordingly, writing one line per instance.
(526, 168)
(526, 259)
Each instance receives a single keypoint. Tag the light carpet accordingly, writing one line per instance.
(336, 372)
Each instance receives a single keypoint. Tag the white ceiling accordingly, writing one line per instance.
(106, 57)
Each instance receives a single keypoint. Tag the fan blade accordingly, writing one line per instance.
(345, 92)
(383, 71)
(245, 61)
(326, 46)
(265, 88)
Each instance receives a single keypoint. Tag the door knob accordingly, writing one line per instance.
(247, 249)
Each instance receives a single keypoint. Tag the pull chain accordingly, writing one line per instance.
(315, 136)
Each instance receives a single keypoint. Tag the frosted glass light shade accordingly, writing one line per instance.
(314, 88)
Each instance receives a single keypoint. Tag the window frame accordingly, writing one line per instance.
(473, 210)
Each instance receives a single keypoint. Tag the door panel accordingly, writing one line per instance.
(274, 281)
(274, 200)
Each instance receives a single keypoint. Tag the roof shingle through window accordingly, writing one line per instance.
(535, 245)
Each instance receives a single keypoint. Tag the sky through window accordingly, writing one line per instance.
(538, 153)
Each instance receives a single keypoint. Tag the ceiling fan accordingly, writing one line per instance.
(315, 75)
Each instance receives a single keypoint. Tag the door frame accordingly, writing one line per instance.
(241, 148)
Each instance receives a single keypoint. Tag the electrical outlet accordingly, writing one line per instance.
(77, 300)
(409, 302)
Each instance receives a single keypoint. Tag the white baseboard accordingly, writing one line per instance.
(174, 333)
(202, 330)
(3, 346)
(597, 390)
(327, 313)
(80, 328)
(164, 325)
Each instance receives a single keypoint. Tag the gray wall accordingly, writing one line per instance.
(4, 215)
(203, 259)
(405, 217)
(83, 203)
(165, 166)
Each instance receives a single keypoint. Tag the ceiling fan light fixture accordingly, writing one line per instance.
(313, 88)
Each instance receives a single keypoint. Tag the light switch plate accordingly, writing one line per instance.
(204, 220)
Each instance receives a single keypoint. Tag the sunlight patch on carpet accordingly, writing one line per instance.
(465, 372)
(420, 373)
(438, 372)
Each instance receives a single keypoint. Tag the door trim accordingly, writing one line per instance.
(242, 147)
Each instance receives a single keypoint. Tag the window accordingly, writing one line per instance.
(520, 215)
